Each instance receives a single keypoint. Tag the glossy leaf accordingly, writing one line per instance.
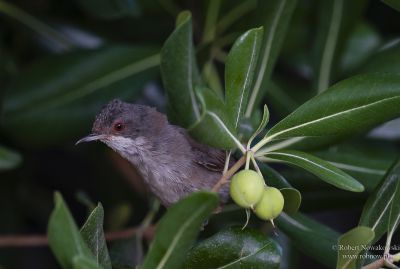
(292, 200)
(62, 106)
(235, 248)
(239, 72)
(177, 230)
(82, 262)
(310, 237)
(179, 73)
(64, 238)
(318, 167)
(275, 16)
(93, 234)
(111, 9)
(368, 165)
(9, 159)
(360, 102)
(214, 127)
(376, 212)
(351, 244)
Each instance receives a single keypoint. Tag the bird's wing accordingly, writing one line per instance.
(210, 158)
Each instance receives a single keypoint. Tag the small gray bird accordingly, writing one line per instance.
(172, 164)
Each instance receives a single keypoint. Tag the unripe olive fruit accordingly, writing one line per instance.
(270, 204)
(246, 188)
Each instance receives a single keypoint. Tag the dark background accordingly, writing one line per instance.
(89, 173)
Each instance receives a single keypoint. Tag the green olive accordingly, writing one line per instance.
(270, 204)
(246, 188)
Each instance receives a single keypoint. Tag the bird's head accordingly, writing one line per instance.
(120, 125)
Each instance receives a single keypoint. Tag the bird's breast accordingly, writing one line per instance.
(163, 172)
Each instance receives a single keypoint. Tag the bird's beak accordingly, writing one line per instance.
(91, 137)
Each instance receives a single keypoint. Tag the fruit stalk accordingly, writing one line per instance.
(225, 177)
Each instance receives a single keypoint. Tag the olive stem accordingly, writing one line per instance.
(388, 242)
(155, 205)
(388, 264)
(380, 263)
(396, 257)
(375, 265)
(272, 222)
(247, 160)
(225, 177)
(253, 160)
(247, 218)
(227, 161)
(261, 143)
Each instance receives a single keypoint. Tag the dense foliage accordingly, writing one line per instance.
(294, 89)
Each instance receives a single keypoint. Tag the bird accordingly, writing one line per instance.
(171, 163)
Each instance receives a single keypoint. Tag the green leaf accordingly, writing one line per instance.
(56, 99)
(239, 72)
(111, 9)
(376, 212)
(275, 16)
(394, 215)
(177, 230)
(310, 237)
(179, 73)
(368, 164)
(395, 4)
(353, 105)
(351, 244)
(292, 200)
(318, 167)
(82, 262)
(263, 124)
(93, 234)
(64, 238)
(9, 159)
(214, 127)
(235, 248)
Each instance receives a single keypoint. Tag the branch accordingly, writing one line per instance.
(23, 241)
(386, 261)
(41, 240)
(375, 265)
(225, 177)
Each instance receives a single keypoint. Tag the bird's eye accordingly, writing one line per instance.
(118, 126)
